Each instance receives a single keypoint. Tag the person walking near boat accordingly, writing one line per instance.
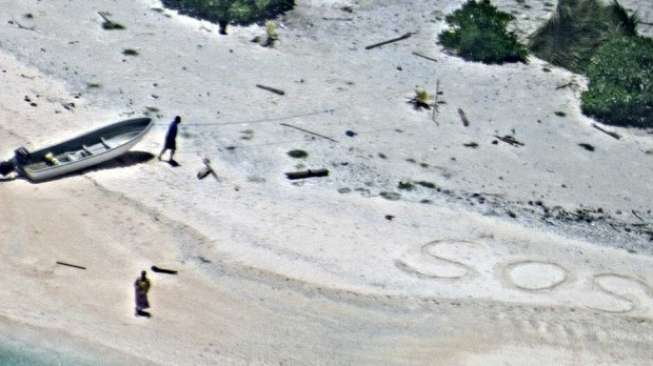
(171, 139)
(141, 288)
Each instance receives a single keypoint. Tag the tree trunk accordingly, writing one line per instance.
(223, 26)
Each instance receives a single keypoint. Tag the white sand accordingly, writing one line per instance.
(278, 273)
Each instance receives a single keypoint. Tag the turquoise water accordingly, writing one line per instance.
(23, 357)
(16, 358)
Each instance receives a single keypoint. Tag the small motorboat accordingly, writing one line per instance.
(79, 153)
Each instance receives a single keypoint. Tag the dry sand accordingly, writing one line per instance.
(347, 269)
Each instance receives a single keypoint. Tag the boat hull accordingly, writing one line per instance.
(45, 173)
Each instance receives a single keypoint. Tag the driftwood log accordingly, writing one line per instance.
(401, 38)
(509, 140)
(463, 117)
(307, 174)
(614, 135)
(271, 89)
(424, 56)
(70, 265)
(163, 270)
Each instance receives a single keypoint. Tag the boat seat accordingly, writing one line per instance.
(87, 150)
(105, 143)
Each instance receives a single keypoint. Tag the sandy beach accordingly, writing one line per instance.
(429, 242)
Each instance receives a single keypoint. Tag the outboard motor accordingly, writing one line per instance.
(6, 167)
(22, 156)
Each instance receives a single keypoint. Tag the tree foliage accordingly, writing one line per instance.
(621, 82)
(478, 33)
(577, 29)
(231, 11)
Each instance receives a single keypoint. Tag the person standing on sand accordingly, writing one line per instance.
(141, 288)
(171, 139)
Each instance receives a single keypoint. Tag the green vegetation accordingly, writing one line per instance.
(422, 99)
(271, 32)
(601, 42)
(577, 30)
(621, 83)
(224, 12)
(478, 33)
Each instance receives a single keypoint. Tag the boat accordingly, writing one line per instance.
(87, 150)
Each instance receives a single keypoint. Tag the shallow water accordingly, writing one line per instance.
(23, 356)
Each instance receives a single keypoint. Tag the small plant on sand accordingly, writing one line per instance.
(224, 12)
(422, 99)
(478, 33)
(621, 83)
(271, 33)
(577, 29)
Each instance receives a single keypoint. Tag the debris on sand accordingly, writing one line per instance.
(463, 117)
(108, 24)
(509, 140)
(207, 170)
(421, 99)
(614, 135)
(406, 186)
(163, 270)
(390, 196)
(297, 154)
(393, 40)
(71, 265)
(587, 147)
(415, 53)
(271, 89)
(308, 174)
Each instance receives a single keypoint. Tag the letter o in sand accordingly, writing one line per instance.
(535, 276)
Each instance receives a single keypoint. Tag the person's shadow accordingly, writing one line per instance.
(143, 313)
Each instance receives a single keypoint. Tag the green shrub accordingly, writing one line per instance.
(478, 33)
(621, 83)
(577, 29)
(224, 12)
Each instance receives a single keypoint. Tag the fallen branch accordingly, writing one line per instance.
(108, 23)
(271, 89)
(308, 132)
(463, 117)
(163, 270)
(338, 19)
(436, 110)
(307, 174)
(20, 26)
(636, 215)
(565, 85)
(424, 56)
(614, 135)
(509, 140)
(405, 36)
(70, 265)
